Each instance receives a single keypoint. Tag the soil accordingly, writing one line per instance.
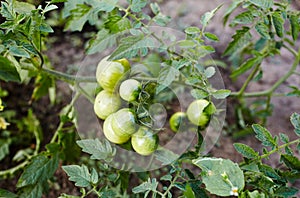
(67, 55)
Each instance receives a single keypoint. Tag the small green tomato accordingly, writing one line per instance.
(111, 135)
(106, 103)
(176, 120)
(124, 122)
(200, 111)
(109, 73)
(130, 89)
(144, 141)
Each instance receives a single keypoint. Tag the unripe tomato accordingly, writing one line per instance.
(109, 73)
(111, 135)
(176, 120)
(106, 103)
(130, 90)
(144, 141)
(199, 112)
(124, 122)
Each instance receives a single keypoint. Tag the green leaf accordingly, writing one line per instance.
(71, 151)
(4, 148)
(243, 18)
(278, 22)
(130, 47)
(166, 76)
(263, 135)
(263, 30)
(240, 40)
(17, 50)
(155, 8)
(149, 185)
(295, 26)
(245, 150)
(211, 36)
(161, 19)
(284, 138)
(23, 7)
(269, 171)
(39, 169)
(192, 30)
(291, 161)
(295, 120)
(264, 4)
(220, 175)
(199, 94)
(138, 5)
(166, 177)
(100, 150)
(102, 41)
(7, 194)
(32, 191)
(221, 94)
(208, 16)
(284, 191)
(235, 4)
(69, 6)
(198, 192)
(188, 192)
(7, 11)
(209, 72)
(165, 156)
(248, 64)
(42, 85)
(49, 8)
(79, 17)
(78, 174)
(94, 176)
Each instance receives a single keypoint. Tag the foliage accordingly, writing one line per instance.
(127, 27)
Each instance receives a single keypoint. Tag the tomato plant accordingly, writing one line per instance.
(147, 81)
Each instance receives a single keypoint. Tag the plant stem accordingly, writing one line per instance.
(276, 85)
(12, 170)
(250, 77)
(68, 110)
(62, 76)
(278, 149)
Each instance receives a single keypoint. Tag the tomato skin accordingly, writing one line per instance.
(111, 135)
(109, 73)
(144, 141)
(124, 122)
(129, 90)
(106, 103)
(200, 111)
(177, 120)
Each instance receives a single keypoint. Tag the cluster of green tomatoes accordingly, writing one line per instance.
(121, 124)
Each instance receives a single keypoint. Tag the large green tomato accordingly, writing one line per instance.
(106, 103)
(200, 111)
(109, 73)
(111, 135)
(177, 120)
(130, 90)
(124, 122)
(144, 141)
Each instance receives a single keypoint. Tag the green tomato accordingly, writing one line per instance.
(111, 135)
(200, 111)
(176, 120)
(124, 122)
(144, 141)
(109, 73)
(130, 90)
(106, 103)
